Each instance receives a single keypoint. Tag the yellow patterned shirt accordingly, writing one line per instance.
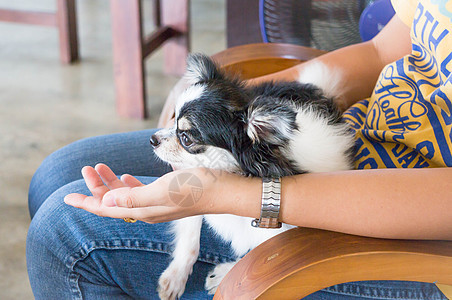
(407, 121)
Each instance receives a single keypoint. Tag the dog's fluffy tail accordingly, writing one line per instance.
(320, 75)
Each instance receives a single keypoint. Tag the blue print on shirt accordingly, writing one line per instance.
(432, 117)
(408, 120)
(442, 8)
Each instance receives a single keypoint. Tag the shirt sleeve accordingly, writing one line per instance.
(405, 10)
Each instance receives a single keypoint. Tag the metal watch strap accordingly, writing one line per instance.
(271, 197)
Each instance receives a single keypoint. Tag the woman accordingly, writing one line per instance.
(405, 125)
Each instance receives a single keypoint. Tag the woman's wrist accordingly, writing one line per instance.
(228, 193)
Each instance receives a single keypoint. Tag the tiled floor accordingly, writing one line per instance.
(45, 105)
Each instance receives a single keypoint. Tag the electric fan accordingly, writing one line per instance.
(322, 24)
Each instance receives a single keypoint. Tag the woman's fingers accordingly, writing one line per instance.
(118, 198)
(83, 201)
(108, 177)
(111, 191)
(112, 181)
(142, 196)
(94, 182)
(97, 206)
(101, 179)
(159, 201)
(131, 181)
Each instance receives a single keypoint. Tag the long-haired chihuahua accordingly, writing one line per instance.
(273, 129)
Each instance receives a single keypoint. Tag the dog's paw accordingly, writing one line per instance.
(215, 276)
(172, 282)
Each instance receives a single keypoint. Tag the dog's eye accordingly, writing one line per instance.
(185, 140)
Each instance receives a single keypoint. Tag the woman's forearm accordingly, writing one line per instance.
(359, 64)
(389, 203)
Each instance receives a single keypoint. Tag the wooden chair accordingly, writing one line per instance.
(301, 261)
(130, 48)
(64, 19)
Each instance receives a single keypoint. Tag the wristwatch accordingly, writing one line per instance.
(271, 198)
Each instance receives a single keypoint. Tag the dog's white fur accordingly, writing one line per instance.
(320, 146)
(213, 157)
(320, 75)
(191, 93)
(316, 144)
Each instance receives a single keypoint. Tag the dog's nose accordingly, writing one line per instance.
(155, 141)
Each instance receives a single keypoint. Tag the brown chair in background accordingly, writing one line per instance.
(64, 18)
(172, 21)
(130, 48)
(301, 261)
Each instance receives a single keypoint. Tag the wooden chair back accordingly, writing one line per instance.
(254, 60)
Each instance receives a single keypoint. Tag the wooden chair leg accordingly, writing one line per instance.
(67, 26)
(157, 15)
(130, 48)
(128, 58)
(175, 15)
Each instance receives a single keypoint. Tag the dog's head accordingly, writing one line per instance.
(220, 124)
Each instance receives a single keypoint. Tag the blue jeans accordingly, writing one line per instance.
(73, 254)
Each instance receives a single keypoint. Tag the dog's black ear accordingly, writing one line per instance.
(269, 121)
(201, 67)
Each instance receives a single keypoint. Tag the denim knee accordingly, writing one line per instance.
(63, 242)
(49, 244)
(61, 236)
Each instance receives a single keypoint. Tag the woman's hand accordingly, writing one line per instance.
(173, 196)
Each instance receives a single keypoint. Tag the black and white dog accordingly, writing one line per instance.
(272, 129)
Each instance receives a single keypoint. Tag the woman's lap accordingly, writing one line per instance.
(72, 253)
(86, 255)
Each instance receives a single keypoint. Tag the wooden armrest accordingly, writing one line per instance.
(301, 261)
(253, 60)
